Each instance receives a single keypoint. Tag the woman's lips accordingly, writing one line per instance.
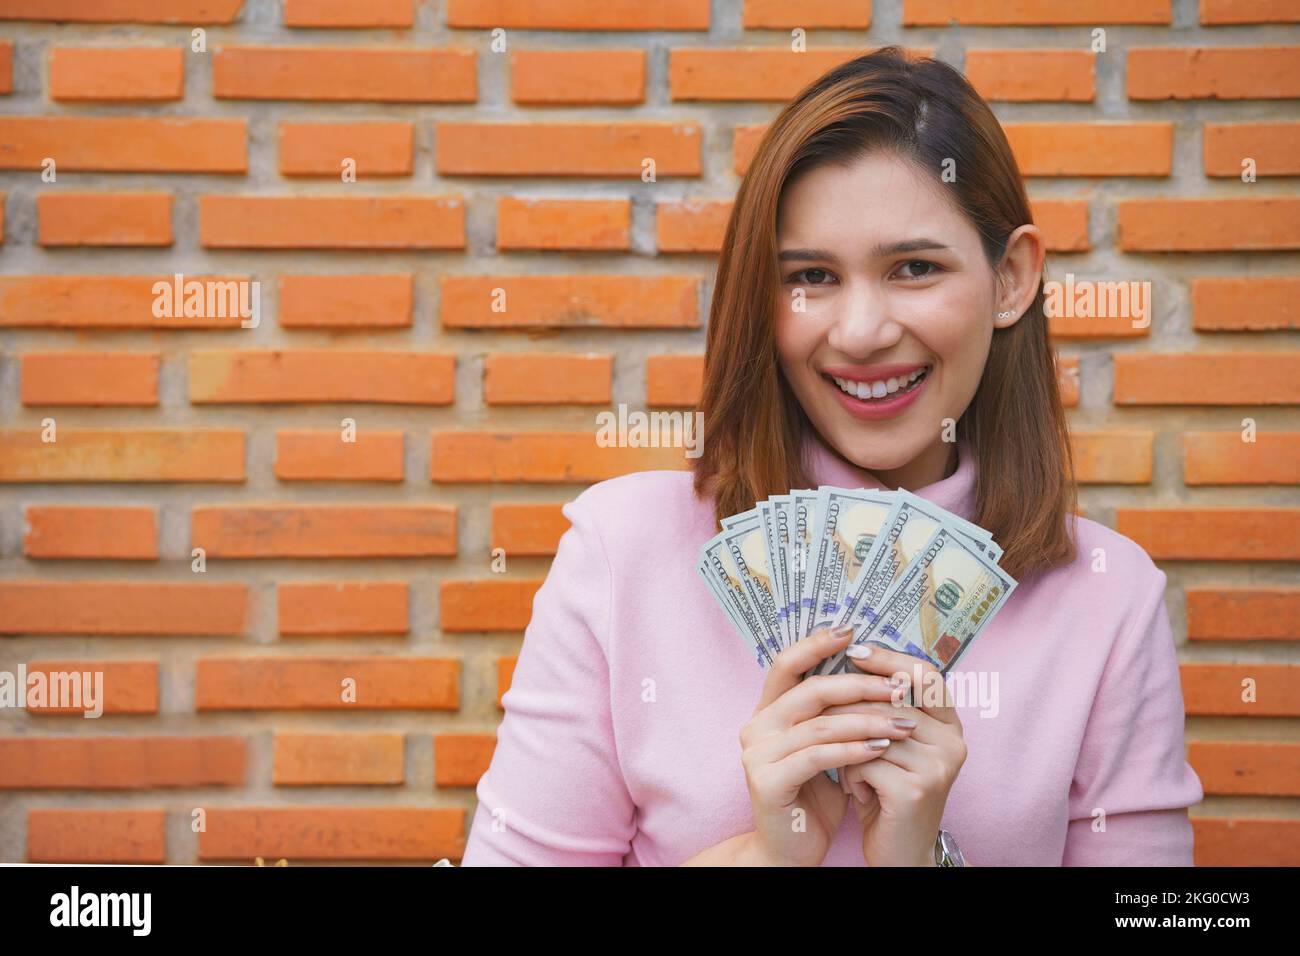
(882, 408)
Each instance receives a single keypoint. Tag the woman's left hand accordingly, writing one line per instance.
(900, 797)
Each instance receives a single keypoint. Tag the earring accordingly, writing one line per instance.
(1004, 315)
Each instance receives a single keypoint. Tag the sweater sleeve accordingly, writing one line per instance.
(1132, 783)
(554, 793)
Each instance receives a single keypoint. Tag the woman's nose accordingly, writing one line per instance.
(863, 324)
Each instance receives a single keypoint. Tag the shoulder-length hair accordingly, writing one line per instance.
(925, 111)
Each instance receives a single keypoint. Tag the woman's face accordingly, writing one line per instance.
(885, 292)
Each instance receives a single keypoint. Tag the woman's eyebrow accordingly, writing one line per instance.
(881, 251)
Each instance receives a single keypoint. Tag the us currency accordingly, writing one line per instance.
(720, 569)
(803, 507)
(944, 598)
(776, 521)
(849, 521)
(747, 545)
(908, 527)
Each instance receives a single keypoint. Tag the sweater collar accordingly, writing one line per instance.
(956, 493)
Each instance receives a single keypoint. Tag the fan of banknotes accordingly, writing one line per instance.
(906, 573)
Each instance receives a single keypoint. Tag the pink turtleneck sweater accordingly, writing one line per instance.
(619, 744)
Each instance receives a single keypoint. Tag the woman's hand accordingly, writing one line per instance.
(906, 790)
(790, 741)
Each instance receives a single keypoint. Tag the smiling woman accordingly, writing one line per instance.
(877, 322)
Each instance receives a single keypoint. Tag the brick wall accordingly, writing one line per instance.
(325, 561)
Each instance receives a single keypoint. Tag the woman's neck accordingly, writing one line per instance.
(935, 463)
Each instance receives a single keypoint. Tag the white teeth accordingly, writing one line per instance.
(865, 390)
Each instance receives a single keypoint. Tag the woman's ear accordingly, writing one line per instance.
(1019, 275)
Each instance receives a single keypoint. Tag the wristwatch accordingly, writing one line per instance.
(946, 851)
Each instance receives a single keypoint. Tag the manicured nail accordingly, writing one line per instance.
(880, 743)
(903, 723)
(841, 632)
(857, 651)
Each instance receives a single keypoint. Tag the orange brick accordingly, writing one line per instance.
(348, 13)
(693, 225)
(566, 149)
(541, 457)
(1213, 534)
(120, 533)
(121, 763)
(122, 607)
(460, 759)
(744, 144)
(1246, 841)
(1208, 378)
(130, 687)
(324, 531)
(1092, 149)
(1208, 225)
(569, 301)
(356, 759)
(122, 302)
(756, 73)
(998, 13)
(1254, 303)
(570, 224)
(381, 75)
(547, 378)
(1243, 614)
(6, 68)
(349, 301)
(527, 529)
(505, 671)
(577, 77)
(1032, 75)
(332, 833)
(1238, 767)
(1064, 223)
(319, 149)
(1222, 458)
(487, 605)
(1217, 690)
(197, 12)
(1222, 12)
(674, 379)
(1274, 147)
(1113, 456)
(323, 455)
(85, 835)
(117, 73)
(823, 15)
(578, 15)
(343, 607)
(321, 683)
(390, 376)
(318, 222)
(122, 454)
(165, 144)
(1220, 73)
(105, 219)
(89, 378)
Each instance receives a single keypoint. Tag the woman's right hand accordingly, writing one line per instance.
(788, 744)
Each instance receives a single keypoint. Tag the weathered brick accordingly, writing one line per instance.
(486, 605)
(541, 457)
(105, 219)
(321, 222)
(577, 77)
(353, 759)
(119, 533)
(324, 531)
(89, 378)
(117, 73)
(569, 301)
(547, 378)
(321, 683)
(525, 529)
(87, 835)
(382, 75)
(343, 607)
(123, 607)
(122, 454)
(165, 144)
(389, 376)
(566, 149)
(121, 763)
(296, 834)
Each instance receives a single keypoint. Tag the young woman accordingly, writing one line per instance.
(882, 229)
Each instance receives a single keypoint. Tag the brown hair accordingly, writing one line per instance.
(925, 111)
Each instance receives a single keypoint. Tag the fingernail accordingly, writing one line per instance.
(841, 632)
(857, 651)
(880, 743)
(903, 723)
(898, 680)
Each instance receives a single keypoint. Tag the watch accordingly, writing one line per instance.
(946, 851)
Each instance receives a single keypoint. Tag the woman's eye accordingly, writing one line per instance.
(930, 268)
(812, 276)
